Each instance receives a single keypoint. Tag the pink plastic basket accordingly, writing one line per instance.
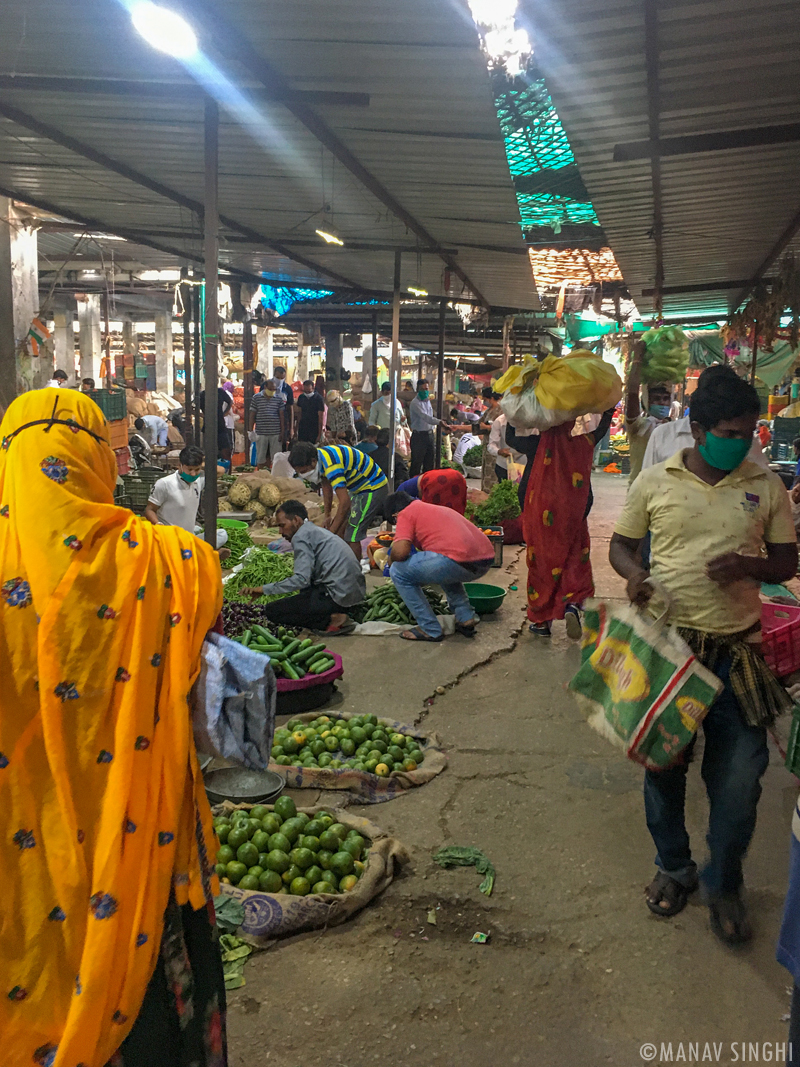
(780, 624)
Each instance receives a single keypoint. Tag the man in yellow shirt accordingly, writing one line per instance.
(720, 526)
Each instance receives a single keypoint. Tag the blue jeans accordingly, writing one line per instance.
(431, 568)
(734, 760)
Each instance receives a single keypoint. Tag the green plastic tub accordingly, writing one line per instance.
(232, 524)
(484, 598)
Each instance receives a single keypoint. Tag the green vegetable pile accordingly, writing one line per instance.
(238, 542)
(386, 604)
(666, 358)
(502, 505)
(262, 566)
(362, 743)
(281, 850)
(473, 457)
(289, 656)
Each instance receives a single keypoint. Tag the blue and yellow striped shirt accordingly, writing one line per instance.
(349, 468)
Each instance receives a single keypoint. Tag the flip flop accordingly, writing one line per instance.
(674, 894)
(416, 634)
(729, 919)
(466, 629)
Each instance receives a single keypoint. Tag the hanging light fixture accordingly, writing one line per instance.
(164, 29)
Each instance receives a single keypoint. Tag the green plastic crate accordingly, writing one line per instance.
(137, 486)
(112, 402)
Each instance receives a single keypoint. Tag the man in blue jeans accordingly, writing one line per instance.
(435, 545)
(720, 526)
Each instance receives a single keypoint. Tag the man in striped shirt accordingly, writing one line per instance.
(358, 482)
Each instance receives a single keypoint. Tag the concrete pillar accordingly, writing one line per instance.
(64, 341)
(333, 360)
(90, 339)
(303, 358)
(19, 303)
(265, 340)
(165, 364)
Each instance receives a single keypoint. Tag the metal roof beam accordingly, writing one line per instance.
(238, 49)
(51, 133)
(176, 91)
(700, 287)
(720, 141)
(777, 249)
(653, 109)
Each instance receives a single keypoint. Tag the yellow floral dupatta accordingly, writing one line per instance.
(102, 619)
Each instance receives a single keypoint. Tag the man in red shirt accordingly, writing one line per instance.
(435, 545)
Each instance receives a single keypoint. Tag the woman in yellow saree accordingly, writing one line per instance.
(107, 842)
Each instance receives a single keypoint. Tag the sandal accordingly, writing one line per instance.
(729, 919)
(664, 888)
(466, 629)
(540, 629)
(572, 618)
(416, 634)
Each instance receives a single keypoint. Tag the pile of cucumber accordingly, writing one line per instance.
(290, 657)
(386, 604)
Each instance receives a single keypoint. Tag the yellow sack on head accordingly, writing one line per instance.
(564, 388)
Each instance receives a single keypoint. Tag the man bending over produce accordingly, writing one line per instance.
(327, 577)
(436, 545)
(175, 499)
(359, 483)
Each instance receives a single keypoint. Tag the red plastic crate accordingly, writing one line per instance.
(781, 635)
(123, 460)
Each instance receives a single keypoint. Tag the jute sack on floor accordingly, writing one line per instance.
(369, 787)
(271, 915)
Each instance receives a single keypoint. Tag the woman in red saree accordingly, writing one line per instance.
(554, 522)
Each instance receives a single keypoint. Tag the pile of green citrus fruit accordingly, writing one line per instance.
(281, 850)
(361, 743)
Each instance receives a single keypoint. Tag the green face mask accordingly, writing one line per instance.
(189, 478)
(423, 394)
(724, 453)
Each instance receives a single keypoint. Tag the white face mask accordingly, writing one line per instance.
(313, 475)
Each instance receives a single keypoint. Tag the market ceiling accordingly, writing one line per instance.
(376, 120)
(683, 120)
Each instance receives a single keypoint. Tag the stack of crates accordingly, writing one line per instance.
(114, 405)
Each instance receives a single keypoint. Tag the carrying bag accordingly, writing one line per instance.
(543, 395)
(640, 685)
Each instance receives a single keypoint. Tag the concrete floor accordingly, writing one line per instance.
(577, 971)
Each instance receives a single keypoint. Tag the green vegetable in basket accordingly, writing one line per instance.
(301, 872)
(261, 568)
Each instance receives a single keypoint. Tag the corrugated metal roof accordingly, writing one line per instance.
(724, 65)
(430, 134)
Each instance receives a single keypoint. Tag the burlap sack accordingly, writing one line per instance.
(289, 488)
(368, 787)
(271, 915)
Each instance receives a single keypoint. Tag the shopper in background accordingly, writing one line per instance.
(283, 389)
(268, 422)
(369, 443)
(498, 448)
(422, 422)
(58, 381)
(639, 426)
(720, 527)
(224, 405)
(175, 499)
(341, 421)
(88, 385)
(764, 435)
(380, 411)
(153, 429)
(310, 414)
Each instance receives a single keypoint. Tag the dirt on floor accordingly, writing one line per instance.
(576, 971)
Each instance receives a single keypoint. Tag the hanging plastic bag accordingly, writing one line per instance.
(666, 357)
(402, 441)
(557, 390)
